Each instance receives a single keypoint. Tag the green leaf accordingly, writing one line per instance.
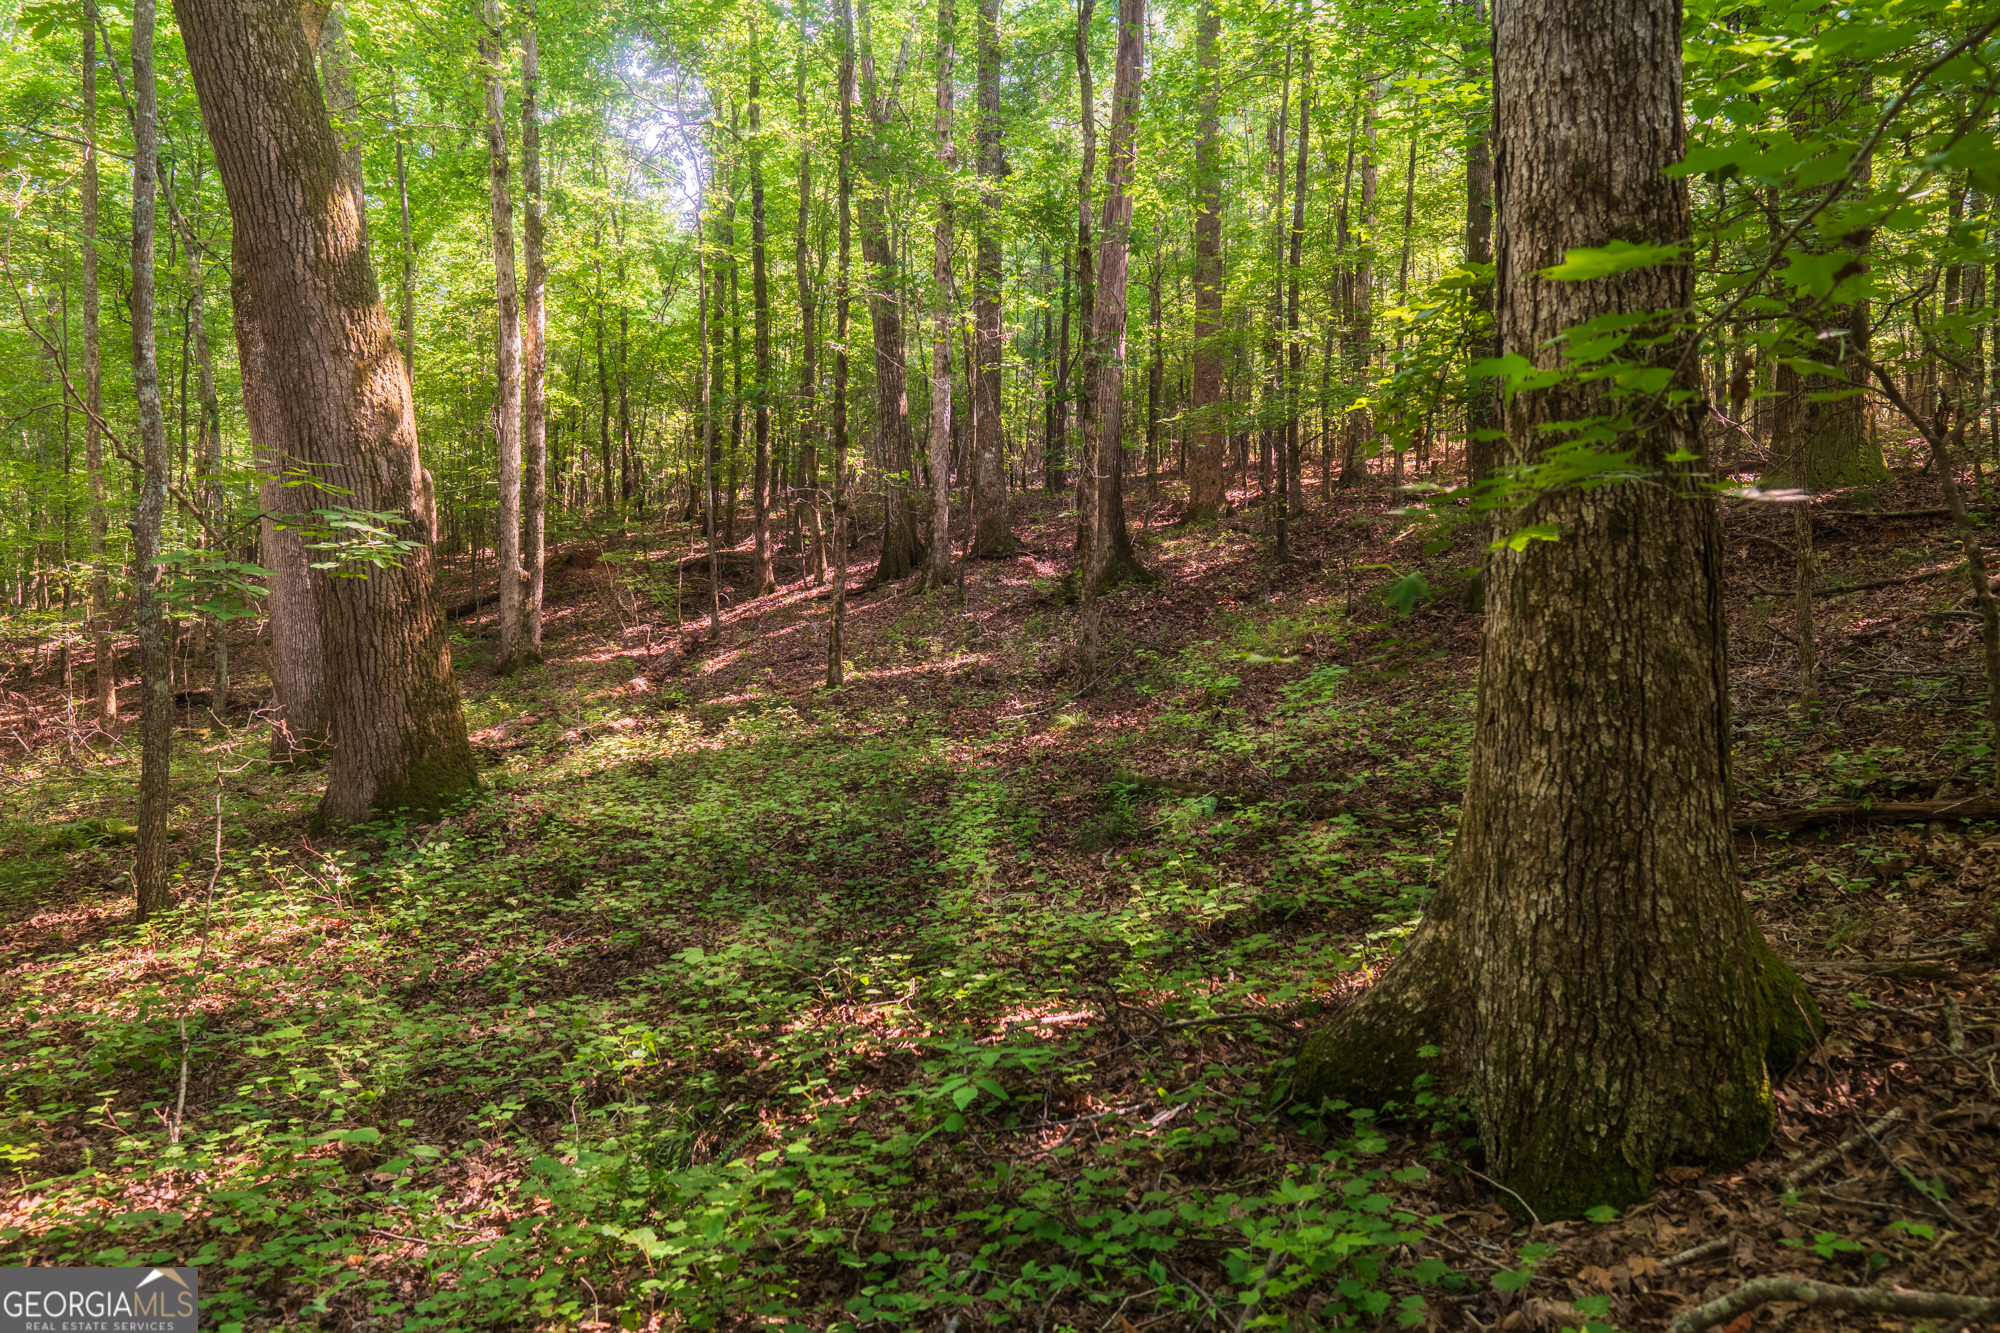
(1583, 265)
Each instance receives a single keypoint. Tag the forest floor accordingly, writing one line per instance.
(962, 996)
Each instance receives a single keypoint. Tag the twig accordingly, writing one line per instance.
(1798, 1175)
(1872, 1299)
(1517, 1198)
(1707, 1249)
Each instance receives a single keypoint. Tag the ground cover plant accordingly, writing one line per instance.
(946, 995)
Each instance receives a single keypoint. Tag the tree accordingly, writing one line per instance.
(1111, 561)
(990, 535)
(534, 345)
(937, 572)
(514, 651)
(104, 667)
(156, 708)
(760, 299)
(1210, 426)
(335, 395)
(836, 644)
(1589, 968)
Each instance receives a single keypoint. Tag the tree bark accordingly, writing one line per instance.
(1295, 499)
(902, 543)
(1482, 408)
(534, 345)
(937, 572)
(760, 301)
(836, 645)
(310, 322)
(809, 422)
(1111, 559)
(1206, 405)
(1589, 968)
(104, 667)
(149, 870)
(407, 278)
(1361, 299)
(1086, 277)
(343, 102)
(990, 535)
(514, 650)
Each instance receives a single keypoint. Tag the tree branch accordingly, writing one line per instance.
(1875, 1300)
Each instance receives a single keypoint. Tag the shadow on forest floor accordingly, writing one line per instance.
(957, 993)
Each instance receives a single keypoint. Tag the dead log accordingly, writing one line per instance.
(1880, 812)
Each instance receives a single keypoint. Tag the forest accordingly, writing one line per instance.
(854, 664)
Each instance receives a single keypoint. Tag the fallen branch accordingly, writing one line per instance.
(1843, 589)
(1708, 1249)
(1805, 1171)
(1875, 1300)
(1881, 812)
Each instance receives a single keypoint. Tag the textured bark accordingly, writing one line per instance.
(902, 543)
(311, 326)
(1111, 560)
(1359, 428)
(343, 103)
(534, 346)
(1086, 275)
(1589, 967)
(809, 422)
(103, 669)
(406, 283)
(1206, 406)
(514, 651)
(760, 302)
(990, 534)
(836, 643)
(937, 572)
(156, 708)
(1294, 488)
(1482, 408)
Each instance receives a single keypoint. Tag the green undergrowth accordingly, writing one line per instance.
(755, 1015)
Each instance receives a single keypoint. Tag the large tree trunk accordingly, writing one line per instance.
(104, 667)
(343, 101)
(1589, 967)
(902, 542)
(534, 348)
(514, 651)
(1111, 559)
(990, 535)
(760, 301)
(937, 572)
(149, 871)
(1206, 405)
(310, 322)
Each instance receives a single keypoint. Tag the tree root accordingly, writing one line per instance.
(1875, 1300)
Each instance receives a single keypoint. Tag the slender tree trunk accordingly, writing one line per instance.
(1086, 276)
(407, 280)
(1361, 345)
(214, 498)
(1155, 372)
(603, 402)
(1057, 453)
(938, 572)
(1295, 376)
(1112, 561)
(707, 277)
(1589, 967)
(149, 871)
(836, 629)
(1206, 404)
(514, 648)
(809, 422)
(1482, 408)
(760, 300)
(991, 535)
(534, 344)
(104, 667)
(310, 321)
